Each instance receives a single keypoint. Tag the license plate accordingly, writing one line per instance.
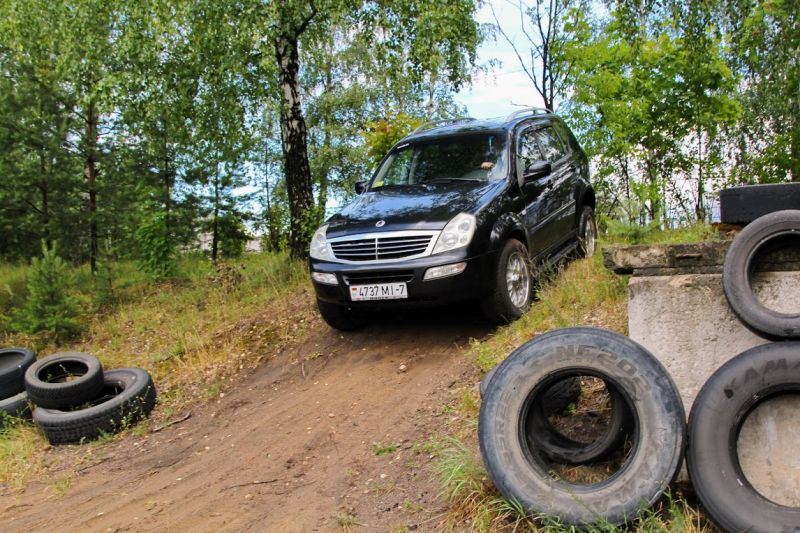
(378, 291)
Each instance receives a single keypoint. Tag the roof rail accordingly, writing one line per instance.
(531, 110)
(434, 123)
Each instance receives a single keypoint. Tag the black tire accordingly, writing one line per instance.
(742, 205)
(13, 364)
(127, 396)
(753, 242)
(341, 317)
(587, 233)
(64, 380)
(16, 406)
(658, 433)
(556, 399)
(562, 449)
(512, 286)
(717, 416)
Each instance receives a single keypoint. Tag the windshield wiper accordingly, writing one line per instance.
(450, 180)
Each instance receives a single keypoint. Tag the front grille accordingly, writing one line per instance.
(368, 278)
(381, 248)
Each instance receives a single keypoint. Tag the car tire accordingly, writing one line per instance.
(15, 406)
(587, 233)
(127, 396)
(512, 286)
(562, 449)
(761, 236)
(744, 204)
(341, 317)
(64, 380)
(717, 416)
(13, 364)
(658, 433)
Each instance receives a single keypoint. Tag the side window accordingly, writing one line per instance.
(567, 139)
(550, 144)
(527, 150)
(397, 170)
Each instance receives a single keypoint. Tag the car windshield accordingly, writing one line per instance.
(444, 160)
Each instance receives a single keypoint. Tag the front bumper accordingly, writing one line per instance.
(473, 282)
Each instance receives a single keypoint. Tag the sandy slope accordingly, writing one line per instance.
(290, 448)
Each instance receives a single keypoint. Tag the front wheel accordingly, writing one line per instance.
(511, 285)
(341, 317)
(587, 233)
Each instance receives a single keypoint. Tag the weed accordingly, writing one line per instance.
(412, 507)
(61, 485)
(22, 450)
(347, 519)
(383, 449)
(468, 401)
(431, 449)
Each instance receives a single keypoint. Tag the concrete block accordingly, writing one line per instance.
(685, 321)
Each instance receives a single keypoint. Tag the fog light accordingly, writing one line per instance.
(444, 271)
(323, 277)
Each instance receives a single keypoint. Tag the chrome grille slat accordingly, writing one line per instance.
(379, 277)
(403, 247)
(390, 246)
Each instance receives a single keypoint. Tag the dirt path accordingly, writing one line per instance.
(291, 448)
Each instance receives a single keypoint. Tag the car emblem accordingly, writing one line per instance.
(380, 223)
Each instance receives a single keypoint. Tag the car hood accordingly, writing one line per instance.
(420, 207)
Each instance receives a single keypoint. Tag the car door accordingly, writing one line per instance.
(558, 211)
(536, 192)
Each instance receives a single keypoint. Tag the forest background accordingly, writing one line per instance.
(133, 131)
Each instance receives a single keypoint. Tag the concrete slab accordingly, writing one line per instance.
(685, 321)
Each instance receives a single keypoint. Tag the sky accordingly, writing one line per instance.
(505, 87)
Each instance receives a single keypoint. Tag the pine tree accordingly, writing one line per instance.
(49, 307)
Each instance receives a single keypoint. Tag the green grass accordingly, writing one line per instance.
(584, 293)
(192, 333)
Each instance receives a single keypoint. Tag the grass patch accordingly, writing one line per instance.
(380, 449)
(22, 453)
(583, 293)
(193, 333)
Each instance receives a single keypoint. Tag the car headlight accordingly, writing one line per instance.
(456, 234)
(319, 245)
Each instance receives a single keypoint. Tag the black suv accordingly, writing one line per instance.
(455, 211)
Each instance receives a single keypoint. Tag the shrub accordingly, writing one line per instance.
(50, 307)
(156, 249)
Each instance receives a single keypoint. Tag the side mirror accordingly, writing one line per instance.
(361, 186)
(537, 169)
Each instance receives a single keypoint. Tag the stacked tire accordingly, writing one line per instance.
(13, 398)
(745, 382)
(76, 401)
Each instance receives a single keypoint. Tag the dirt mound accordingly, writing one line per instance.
(329, 434)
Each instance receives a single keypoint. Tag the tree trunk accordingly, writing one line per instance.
(795, 140)
(699, 209)
(90, 172)
(166, 178)
(44, 189)
(215, 223)
(294, 142)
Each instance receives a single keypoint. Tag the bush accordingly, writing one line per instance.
(49, 307)
(156, 249)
